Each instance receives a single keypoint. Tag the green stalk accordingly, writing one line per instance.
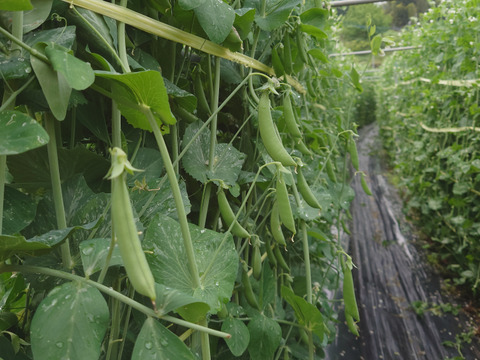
(213, 144)
(3, 171)
(17, 28)
(57, 189)
(177, 196)
(311, 347)
(122, 49)
(31, 50)
(306, 259)
(110, 292)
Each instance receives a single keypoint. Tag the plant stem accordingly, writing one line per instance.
(311, 347)
(31, 50)
(110, 292)
(177, 195)
(57, 189)
(3, 171)
(306, 259)
(17, 28)
(213, 144)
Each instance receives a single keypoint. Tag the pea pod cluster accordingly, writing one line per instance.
(133, 256)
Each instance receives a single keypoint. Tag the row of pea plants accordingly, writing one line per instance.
(429, 106)
(174, 180)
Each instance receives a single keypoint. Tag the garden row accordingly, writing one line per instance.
(428, 108)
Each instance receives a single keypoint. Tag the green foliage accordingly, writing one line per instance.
(188, 117)
(354, 32)
(429, 116)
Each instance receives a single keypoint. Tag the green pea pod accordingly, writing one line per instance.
(345, 228)
(281, 261)
(256, 262)
(300, 145)
(248, 291)
(330, 171)
(125, 230)
(200, 94)
(284, 209)
(228, 216)
(289, 117)
(277, 63)
(268, 248)
(276, 226)
(352, 150)
(349, 298)
(269, 133)
(301, 46)
(287, 58)
(305, 190)
(351, 324)
(364, 184)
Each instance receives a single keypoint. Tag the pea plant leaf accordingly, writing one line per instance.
(244, 19)
(157, 198)
(14, 67)
(316, 17)
(228, 160)
(190, 4)
(19, 211)
(131, 91)
(276, 12)
(20, 133)
(169, 299)
(216, 18)
(18, 245)
(265, 336)
(78, 73)
(238, 343)
(307, 314)
(155, 341)
(54, 85)
(217, 260)
(94, 253)
(30, 169)
(15, 5)
(70, 323)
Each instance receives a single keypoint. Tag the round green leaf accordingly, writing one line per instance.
(78, 73)
(70, 323)
(20, 133)
(240, 336)
(155, 342)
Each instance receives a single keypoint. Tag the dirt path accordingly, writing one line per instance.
(391, 275)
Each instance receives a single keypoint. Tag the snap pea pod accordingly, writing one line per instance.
(352, 150)
(280, 259)
(248, 291)
(268, 248)
(330, 171)
(133, 256)
(289, 117)
(256, 261)
(228, 215)
(269, 133)
(349, 298)
(276, 226)
(284, 209)
(365, 186)
(305, 190)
